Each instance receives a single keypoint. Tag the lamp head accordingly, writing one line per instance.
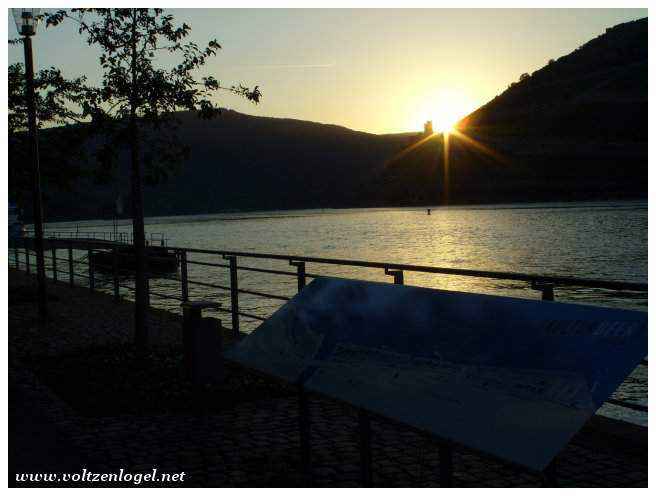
(26, 21)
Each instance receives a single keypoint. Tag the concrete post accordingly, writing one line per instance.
(202, 340)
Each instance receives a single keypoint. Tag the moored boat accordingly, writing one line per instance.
(160, 259)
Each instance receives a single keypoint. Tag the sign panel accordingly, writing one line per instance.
(511, 377)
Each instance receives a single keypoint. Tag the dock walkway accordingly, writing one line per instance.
(247, 436)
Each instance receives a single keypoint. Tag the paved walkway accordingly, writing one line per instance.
(251, 443)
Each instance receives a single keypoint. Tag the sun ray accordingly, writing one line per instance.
(480, 146)
(408, 149)
(445, 189)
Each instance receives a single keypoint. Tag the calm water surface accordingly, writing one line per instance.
(592, 240)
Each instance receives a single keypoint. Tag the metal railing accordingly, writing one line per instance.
(545, 285)
(123, 237)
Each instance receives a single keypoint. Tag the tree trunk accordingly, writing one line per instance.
(138, 232)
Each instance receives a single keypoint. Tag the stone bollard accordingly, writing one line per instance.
(202, 340)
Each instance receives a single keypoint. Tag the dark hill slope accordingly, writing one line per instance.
(242, 162)
(246, 162)
(598, 92)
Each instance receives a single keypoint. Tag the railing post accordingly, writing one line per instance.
(115, 271)
(92, 282)
(184, 278)
(27, 258)
(546, 288)
(300, 274)
(54, 263)
(71, 275)
(398, 275)
(234, 294)
(147, 288)
(16, 256)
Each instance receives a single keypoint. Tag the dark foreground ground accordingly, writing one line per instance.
(80, 399)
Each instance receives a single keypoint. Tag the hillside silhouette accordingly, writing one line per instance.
(244, 162)
(598, 92)
(574, 130)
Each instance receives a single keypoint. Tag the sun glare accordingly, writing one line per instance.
(445, 118)
(444, 108)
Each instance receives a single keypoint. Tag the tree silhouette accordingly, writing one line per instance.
(135, 104)
(58, 104)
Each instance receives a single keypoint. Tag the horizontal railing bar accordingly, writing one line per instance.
(168, 297)
(199, 283)
(103, 267)
(243, 314)
(155, 275)
(251, 316)
(626, 404)
(265, 295)
(207, 264)
(514, 276)
(267, 271)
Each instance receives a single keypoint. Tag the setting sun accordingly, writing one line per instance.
(445, 117)
(444, 108)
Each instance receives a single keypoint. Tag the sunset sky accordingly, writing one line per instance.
(380, 71)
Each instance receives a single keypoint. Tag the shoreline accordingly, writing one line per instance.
(310, 212)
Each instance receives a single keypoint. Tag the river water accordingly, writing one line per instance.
(602, 240)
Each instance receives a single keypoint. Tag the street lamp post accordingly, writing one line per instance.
(26, 24)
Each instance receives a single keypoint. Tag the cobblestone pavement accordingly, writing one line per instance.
(254, 443)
